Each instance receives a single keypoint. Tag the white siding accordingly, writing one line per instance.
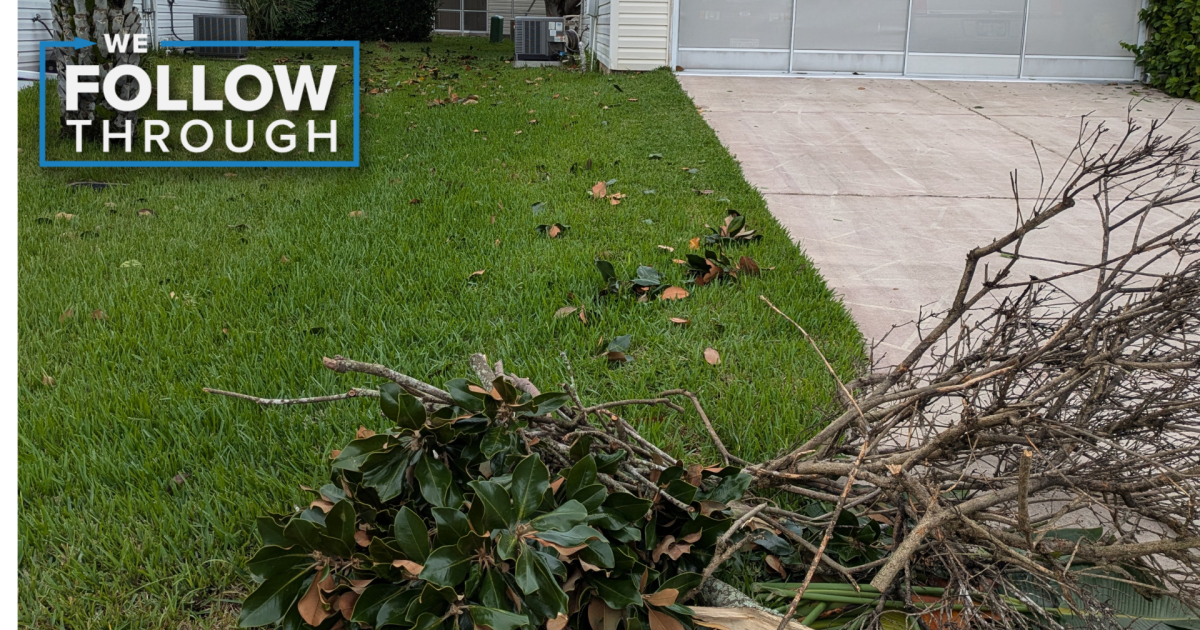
(643, 34)
(29, 33)
(601, 39)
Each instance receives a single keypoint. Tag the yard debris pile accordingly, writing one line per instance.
(947, 492)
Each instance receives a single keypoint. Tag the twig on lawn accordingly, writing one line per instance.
(268, 402)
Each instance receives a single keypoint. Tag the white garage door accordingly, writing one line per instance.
(1063, 39)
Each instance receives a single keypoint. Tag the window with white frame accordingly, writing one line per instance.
(462, 15)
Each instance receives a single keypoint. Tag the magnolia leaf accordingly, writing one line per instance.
(400, 407)
(312, 605)
(712, 356)
(446, 566)
(662, 621)
(564, 311)
(674, 293)
(617, 592)
(272, 599)
(496, 619)
(664, 597)
(411, 535)
(600, 190)
(530, 479)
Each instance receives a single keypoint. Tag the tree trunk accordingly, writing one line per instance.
(92, 20)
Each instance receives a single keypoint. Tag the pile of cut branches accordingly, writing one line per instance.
(1038, 437)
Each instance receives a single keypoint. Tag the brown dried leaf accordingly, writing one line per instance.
(63, 216)
(558, 623)
(556, 484)
(356, 213)
(362, 538)
(600, 190)
(709, 624)
(667, 247)
(476, 273)
(694, 243)
(681, 321)
(47, 380)
(712, 356)
(345, 603)
(674, 293)
(708, 507)
(312, 608)
(554, 231)
(678, 261)
(582, 316)
(98, 315)
(895, 469)
(67, 314)
(776, 565)
(231, 175)
(363, 433)
(146, 212)
(564, 311)
(747, 265)
(409, 565)
(321, 504)
(665, 597)
(663, 621)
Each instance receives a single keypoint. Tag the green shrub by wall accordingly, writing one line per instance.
(1171, 54)
(277, 19)
(362, 20)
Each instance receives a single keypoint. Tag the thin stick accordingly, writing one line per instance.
(271, 402)
(724, 551)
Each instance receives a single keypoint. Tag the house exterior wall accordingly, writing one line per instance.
(643, 34)
(29, 32)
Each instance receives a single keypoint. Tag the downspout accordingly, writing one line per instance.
(792, 37)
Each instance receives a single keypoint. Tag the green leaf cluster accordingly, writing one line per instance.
(1171, 55)
(449, 521)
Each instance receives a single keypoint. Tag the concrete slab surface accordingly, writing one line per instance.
(887, 183)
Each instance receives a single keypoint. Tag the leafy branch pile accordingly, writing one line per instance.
(954, 487)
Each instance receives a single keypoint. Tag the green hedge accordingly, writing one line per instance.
(1171, 54)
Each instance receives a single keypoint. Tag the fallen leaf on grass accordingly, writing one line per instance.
(674, 293)
(63, 216)
(615, 198)
(747, 266)
(554, 231)
(712, 356)
(67, 314)
(230, 174)
(694, 243)
(564, 311)
(284, 259)
(667, 247)
(517, 132)
(146, 212)
(47, 380)
(356, 213)
(476, 273)
(599, 191)
(633, 100)
(98, 315)
(414, 202)
(680, 321)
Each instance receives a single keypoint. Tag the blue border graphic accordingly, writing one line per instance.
(82, 43)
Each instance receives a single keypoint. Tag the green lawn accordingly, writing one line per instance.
(107, 539)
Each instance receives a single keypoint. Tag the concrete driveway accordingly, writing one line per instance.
(886, 183)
